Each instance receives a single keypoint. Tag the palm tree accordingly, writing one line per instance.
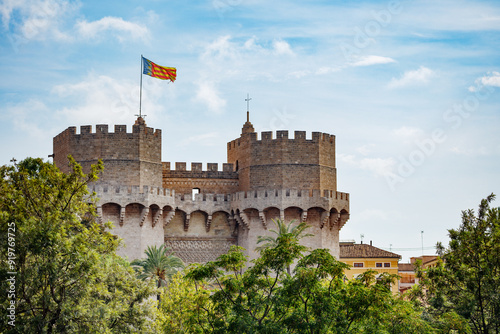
(282, 233)
(158, 265)
(295, 231)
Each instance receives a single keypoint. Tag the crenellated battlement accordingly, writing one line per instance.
(197, 167)
(104, 129)
(281, 135)
(197, 172)
(293, 193)
(278, 161)
(134, 190)
(132, 158)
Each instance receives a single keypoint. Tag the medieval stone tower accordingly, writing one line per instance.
(201, 213)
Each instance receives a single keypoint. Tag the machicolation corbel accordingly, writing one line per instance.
(122, 215)
(324, 218)
(168, 217)
(208, 223)
(262, 217)
(157, 216)
(145, 213)
(186, 222)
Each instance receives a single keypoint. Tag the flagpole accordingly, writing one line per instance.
(140, 94)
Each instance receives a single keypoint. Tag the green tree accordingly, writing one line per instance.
(67, 277)
(179, 307)
(467, 280)
(294, 230)
(285, 234)
(158, 265)
(315, 298)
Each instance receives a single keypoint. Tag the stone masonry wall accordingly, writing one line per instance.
(210, 181)
(129, 158)
(284, 163)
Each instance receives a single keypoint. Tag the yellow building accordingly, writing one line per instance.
(362, 257)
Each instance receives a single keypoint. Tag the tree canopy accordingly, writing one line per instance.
(65, 274)
(314, 298)
(467, 279)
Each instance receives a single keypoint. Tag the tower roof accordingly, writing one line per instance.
(247, 128)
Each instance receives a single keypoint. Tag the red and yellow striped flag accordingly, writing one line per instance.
(160, 72)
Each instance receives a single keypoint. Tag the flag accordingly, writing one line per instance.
(160, 72)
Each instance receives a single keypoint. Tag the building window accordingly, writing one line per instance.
(194, 192)
(387, 264)
(358, 264)
(378, 264)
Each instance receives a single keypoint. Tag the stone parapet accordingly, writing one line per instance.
(124, 195)
(284, 198)
(212, 171)
(283, 162)
(129, 158)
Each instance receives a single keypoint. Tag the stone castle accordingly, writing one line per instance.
(200, 213)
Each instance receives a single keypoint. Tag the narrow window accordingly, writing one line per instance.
(387, 264)
(358, 264)
(194, 192)
(378, 265)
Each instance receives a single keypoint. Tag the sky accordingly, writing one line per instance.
(410, 89)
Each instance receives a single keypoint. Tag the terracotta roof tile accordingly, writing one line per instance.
(365, 251)
(406, 267)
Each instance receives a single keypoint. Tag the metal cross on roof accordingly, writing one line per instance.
(248, 107)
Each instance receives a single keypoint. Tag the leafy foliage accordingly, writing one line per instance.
(465, 284)
(68, 277)
(178, 307)
(314, 298)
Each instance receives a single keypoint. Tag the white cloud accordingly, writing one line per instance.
(372, 60)
(410, 132)
(205, 139)
(29, 20)
(300, 74)
(422, 75)
(365, 149)
(326, 70)
(282, 48)
(227, 58)
(222, 48)
(347, 158)
(357, 62)
(408, 135)
(492, 79)
(24, 120)
(102, 100)
(36, 20)
(207, 93)
(251, 44)
(122, 29)
(454, 15)
(378, 166)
